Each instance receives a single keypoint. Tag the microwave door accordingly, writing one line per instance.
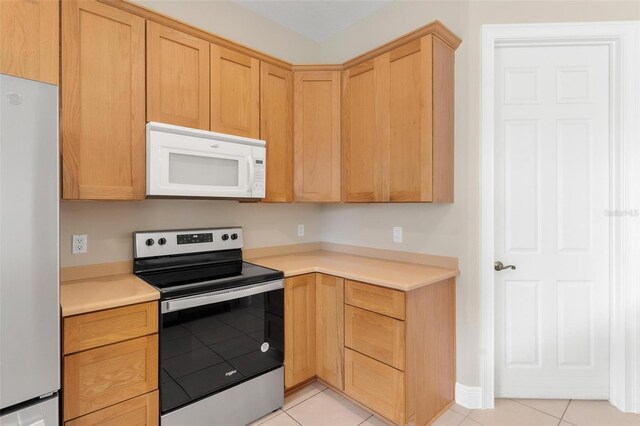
(187, 172)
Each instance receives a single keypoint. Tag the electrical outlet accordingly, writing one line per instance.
(300, 230)
(397, 234)
(79, 244)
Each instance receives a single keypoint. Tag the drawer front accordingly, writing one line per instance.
(82, 332)
(376, 385)
(377, 299)
(104, 376)
(139, 411)
(375, 335)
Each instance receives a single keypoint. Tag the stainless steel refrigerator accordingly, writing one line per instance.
(29, 277)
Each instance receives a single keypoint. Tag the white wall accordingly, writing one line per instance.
(436, 229)
(234, 22)
(109, 225)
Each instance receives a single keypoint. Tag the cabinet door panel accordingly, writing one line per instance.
(317, 136)
(375, 335)
(101, 328)
(410, 120)
(299, 329)
(235, 93)
(101, 377)
(29, 39)
(103, 120)
(330, 329)
(142, 410)
(362, 135)
(177, 77)
(376, 385)
(276, 128)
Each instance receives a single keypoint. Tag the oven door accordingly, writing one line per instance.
(184, 165)
(213, 341)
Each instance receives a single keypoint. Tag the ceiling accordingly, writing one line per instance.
(315, 19)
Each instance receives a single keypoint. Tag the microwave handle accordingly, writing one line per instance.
(252, 173)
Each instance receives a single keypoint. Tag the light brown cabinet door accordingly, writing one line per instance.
(276, 128)
(330, 329)
(300, 329)
(317, 136)
(377, 336)
(376, 385)
(29, 39)
(103, 102)
(410, 121)
(235, 93)
(104, 376)
(142, 410)
(177, 77)
(363, 134)
(101, 328)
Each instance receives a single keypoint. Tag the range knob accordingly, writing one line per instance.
(162, 241)
(225, 237)
(234, 236)
(149, 242)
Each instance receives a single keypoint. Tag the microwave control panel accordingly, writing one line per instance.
(259, 182)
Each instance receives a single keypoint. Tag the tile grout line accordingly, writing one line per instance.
(306, 399)
(362, 422)
(291, 417)
(540, 411)
(565, 411)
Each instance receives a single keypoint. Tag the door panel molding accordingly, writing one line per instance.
(623, 38)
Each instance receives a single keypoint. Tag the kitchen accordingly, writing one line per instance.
(432, 232)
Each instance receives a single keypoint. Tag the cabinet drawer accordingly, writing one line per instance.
(104, 376)
(375, 335)
(139, 411)
(377, 299)
(101, 328)
(376, 385)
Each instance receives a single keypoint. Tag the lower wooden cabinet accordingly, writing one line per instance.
(392, 351)
(139, 411)
(110, 367)
(376, 385)
(299, 329)
(330, 329)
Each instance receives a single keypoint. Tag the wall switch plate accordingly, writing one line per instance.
(397, 234)
(300, 230)
(79, 244)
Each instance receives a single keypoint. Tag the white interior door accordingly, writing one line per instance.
(552, 200)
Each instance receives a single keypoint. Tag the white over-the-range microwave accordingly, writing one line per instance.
(185, 162)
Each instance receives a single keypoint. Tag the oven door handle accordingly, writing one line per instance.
(219, 296)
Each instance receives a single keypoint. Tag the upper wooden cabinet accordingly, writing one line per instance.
(317, 136)
(235, 92)
(276, 128)
(398, 125)
(103, 102)
(29, 39)
(177, 77)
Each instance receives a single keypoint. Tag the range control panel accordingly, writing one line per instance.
(166, 243)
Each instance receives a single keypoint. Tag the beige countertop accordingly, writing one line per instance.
(393, 274)
(95, 294)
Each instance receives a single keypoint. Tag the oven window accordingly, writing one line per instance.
(209, 348)
(200, 170)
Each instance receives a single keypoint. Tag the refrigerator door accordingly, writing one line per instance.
(29, 282)
(42, 413)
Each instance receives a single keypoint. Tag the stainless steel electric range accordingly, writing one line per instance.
(221, 327)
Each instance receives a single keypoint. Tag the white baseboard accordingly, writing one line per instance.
(468, 396)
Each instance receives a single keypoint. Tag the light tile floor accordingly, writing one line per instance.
(315, 405)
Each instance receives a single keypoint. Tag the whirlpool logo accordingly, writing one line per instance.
(230, 373)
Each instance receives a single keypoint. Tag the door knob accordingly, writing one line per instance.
(499, 266)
